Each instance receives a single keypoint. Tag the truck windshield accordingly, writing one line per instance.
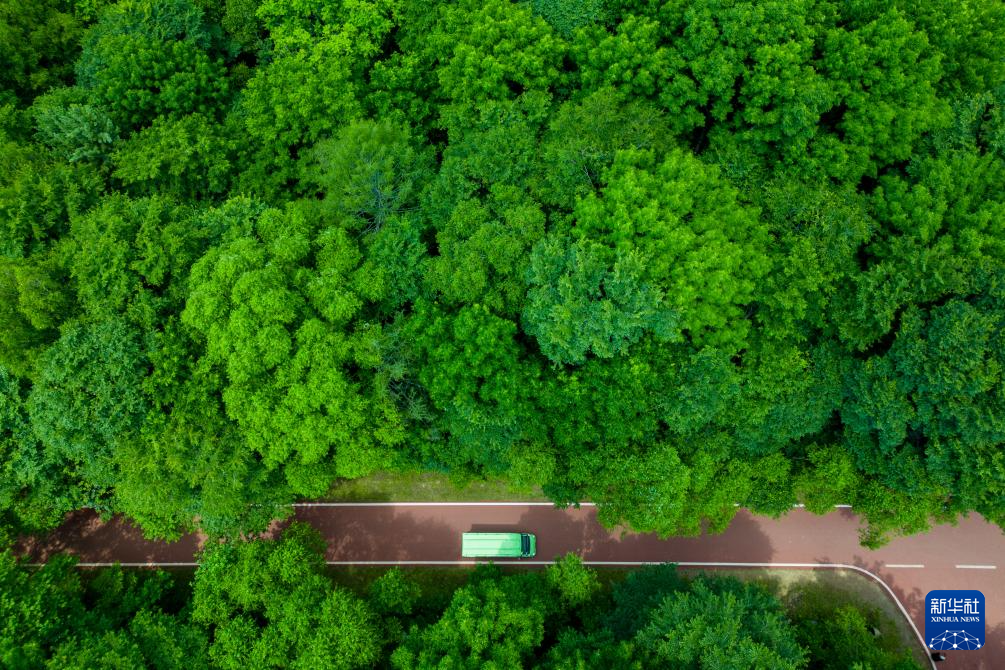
(524, 544)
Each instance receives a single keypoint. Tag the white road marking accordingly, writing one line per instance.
(903, 565)
(977, 567)
(831, 566)
(153, 564)
(433, 504)
(688, 564)
(486, 503)
(803, 505)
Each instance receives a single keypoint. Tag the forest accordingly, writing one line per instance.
(271, 604)
(669, 256)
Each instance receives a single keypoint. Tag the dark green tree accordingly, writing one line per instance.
(491, 623)
(720, 623)
(584, 298)
(268, 604)
(147, 58)
(88, 400)
(833, 629)
(38, 43)
(35, 492)
(469, 362)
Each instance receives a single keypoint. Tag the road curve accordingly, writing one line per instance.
(970, 555)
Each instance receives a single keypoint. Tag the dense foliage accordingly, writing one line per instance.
(271, 604)
(666, 255)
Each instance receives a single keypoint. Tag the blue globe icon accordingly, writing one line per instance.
(955, 639)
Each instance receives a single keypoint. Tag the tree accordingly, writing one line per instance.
(33, 302)
(880, 70)
(575, 583)
(269, 604)
(192, 464)
(488, 50)
(277, 306)
(39, 609)
(35, 492)
(577, 651)
(641, 592)
(932, 403)
(241, 23)
(469, 363)
(39, 196)
(55, 620)
(819, 231)
(394, 593)
(693, 238)
(565, 16)
(125, 625)
(584, 135)
(833, 629)
(488, 624)
(978, 125)
(73, 127)
(581, 302)
(189, 157)
(746, 623)
(964, 41)
(369, 173)
(938, 229)
(483, 248)
(87, 398)
(629, 60)
(806, 84)
(369, 178)
(131, 258)
(789, 392)
(186, 459)
(829, 478)
(147, 58)
(311, 84)
(38, 42)
(492, 144)
(673, 490)
(657, 445)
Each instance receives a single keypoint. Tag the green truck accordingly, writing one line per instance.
(498, 545)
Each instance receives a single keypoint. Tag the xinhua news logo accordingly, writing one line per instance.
(954, 620)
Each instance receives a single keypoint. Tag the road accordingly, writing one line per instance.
(970, 555)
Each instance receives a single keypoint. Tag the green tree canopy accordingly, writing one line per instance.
(268, 604)
(695, 240)
(277, 306)
(721, 624)
(488, 624)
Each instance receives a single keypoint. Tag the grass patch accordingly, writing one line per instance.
(427, 487)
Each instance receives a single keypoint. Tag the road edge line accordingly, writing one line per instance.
(472, 503)
(845, 566)
(712, 564)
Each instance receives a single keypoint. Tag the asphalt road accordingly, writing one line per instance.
(965, 556)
